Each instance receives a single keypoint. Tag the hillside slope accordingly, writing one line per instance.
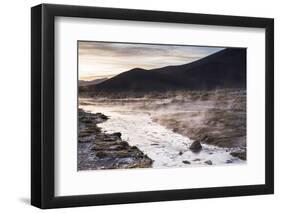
(224, 69)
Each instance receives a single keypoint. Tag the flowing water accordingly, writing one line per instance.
(165, 147)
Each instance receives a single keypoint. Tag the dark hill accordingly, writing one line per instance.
(92, 82)
(224, 69)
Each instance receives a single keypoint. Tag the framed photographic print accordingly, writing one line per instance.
(140, 106)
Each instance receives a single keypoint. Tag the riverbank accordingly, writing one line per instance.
(100, 150)
(165, 147)
(216, 118)
(212, 118)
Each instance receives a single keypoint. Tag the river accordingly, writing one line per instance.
(165, 147)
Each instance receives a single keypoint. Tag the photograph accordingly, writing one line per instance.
(160, 106)
(141, 105)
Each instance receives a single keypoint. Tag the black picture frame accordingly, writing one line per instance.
(43, 111)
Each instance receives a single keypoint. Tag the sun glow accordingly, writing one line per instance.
(106, 59)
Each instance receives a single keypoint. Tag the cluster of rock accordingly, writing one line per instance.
(240, 154)
(100, 150)
(197, 147)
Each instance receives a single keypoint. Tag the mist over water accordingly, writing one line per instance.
(135, 120)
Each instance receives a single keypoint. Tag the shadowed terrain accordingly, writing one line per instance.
(224, 69)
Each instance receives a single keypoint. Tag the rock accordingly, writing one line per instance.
(145, 163)
(102, 145)
(154, 144)
(229, 161)
(186, 162)
(111, 137)
(102, 116)
(102, 154)
(239, 154)
(108, 138)
(134, 147)
(197, 159)
(113, 154)
(84, 134)
(85, 140)
(104, 150)
(117, 134)
(87, 121)
(180, 153)
(195, 146)
(208, 162)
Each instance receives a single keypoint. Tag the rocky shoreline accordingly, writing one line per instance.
(100, 150)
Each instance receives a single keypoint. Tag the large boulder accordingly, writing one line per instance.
(195, 146)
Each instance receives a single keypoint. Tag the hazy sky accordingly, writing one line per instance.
(103, 59)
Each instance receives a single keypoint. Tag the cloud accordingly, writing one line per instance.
(109, 58)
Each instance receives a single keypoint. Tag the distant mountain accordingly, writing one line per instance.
(224, 69)
(93, 82)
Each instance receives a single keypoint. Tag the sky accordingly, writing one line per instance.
(107, 59)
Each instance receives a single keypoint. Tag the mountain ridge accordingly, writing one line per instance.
(223, 69)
